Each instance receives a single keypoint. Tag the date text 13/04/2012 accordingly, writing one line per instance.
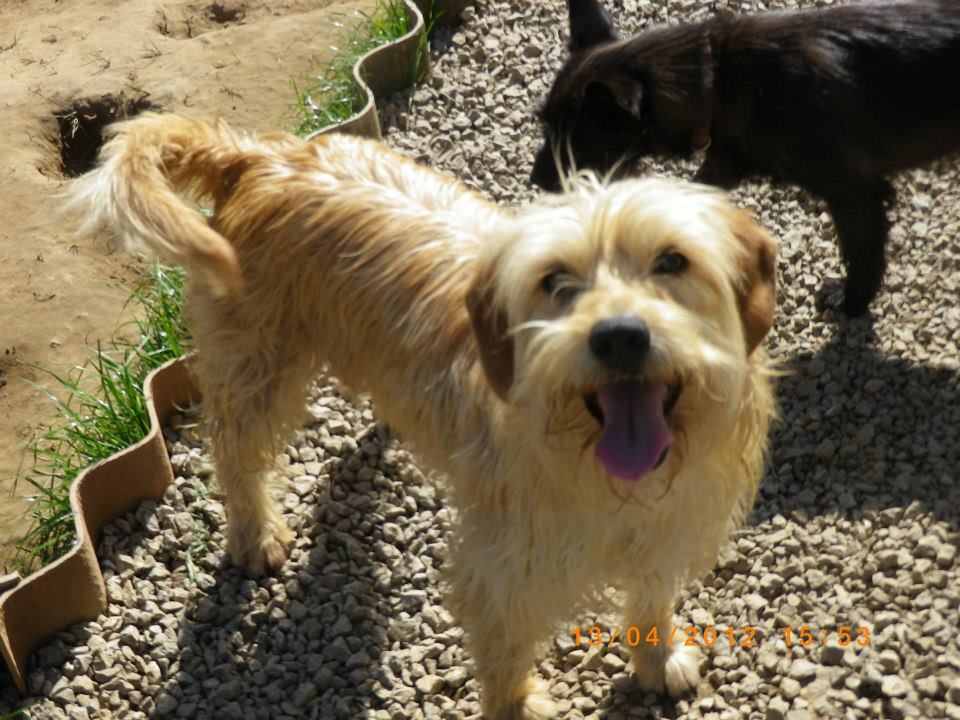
(709, 636)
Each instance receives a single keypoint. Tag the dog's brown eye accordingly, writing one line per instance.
(671, 263)
(559, 284)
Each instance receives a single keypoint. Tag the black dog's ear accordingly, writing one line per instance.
(626, 92)
(589, 24)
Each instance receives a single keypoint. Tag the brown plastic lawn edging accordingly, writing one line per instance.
(71, 589)
(390, 68)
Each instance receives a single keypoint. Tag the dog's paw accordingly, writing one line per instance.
(538, 705)
(261, 552)
(679, 673)
(533, 702)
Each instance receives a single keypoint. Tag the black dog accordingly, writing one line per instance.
(832, 100)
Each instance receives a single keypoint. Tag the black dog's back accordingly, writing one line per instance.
(877, 84)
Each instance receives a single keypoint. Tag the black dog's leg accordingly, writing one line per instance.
(721, 168)
(861, 221)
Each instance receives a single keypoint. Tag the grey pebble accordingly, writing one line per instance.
(430, 684)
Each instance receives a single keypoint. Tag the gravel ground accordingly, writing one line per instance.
(856, 522)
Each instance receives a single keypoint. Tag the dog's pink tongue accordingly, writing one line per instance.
(635, 432)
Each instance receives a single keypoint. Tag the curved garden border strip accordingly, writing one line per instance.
(389, 68)
(71, 589)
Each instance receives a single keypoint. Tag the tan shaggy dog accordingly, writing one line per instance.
(586, 371)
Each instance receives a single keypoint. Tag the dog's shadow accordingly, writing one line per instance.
(863, 430)
(308, 642)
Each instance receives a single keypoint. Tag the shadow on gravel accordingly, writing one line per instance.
(864, 431)
(629, 700)
(306, 643)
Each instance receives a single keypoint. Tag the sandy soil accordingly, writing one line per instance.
(67, 67)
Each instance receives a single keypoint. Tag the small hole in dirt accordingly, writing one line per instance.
(227, 12)
(81, 128)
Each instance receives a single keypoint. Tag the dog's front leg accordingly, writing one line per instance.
(862, 230)
(506, 608)
(662, 660)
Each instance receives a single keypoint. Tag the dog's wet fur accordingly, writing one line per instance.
(483, 334)
(833, 100)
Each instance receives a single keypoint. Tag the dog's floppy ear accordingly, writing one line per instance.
(589, 24)
(490, 328)
(757, 286)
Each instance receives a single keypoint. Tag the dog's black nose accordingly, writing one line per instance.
(620, 343)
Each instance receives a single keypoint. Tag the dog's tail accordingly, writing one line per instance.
(147, 168)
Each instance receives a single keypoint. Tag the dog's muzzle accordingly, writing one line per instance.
(633, 410)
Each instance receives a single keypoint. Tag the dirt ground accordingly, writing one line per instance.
(66, 68)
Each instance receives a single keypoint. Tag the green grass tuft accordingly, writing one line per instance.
(103, 411)
(334, 96)
(18, 713)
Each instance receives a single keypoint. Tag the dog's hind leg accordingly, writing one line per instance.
(862, 228)
(662, 659)
(251, 402)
